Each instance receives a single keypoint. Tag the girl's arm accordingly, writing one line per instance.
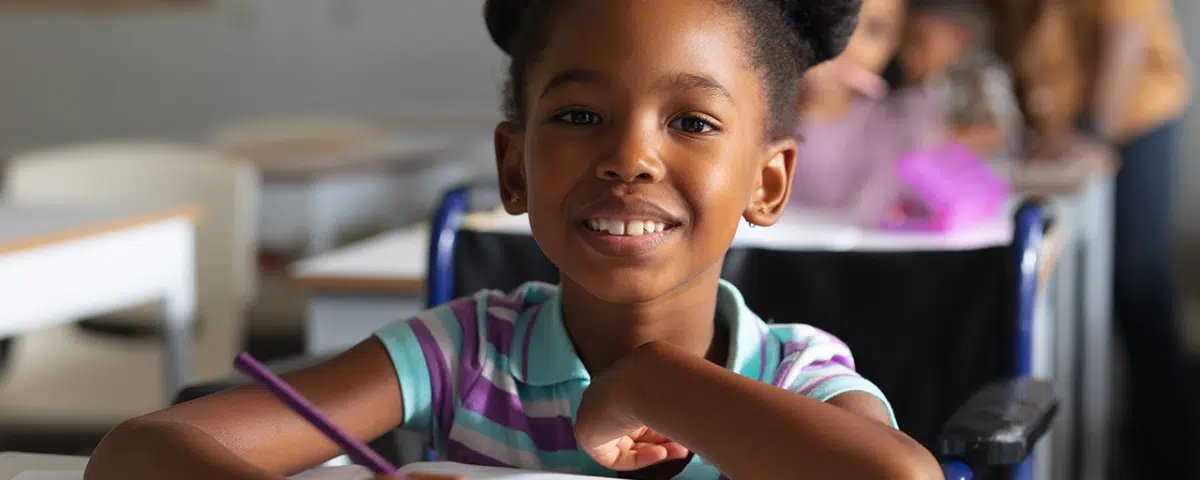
(1123, 55)
(749, 429)
(246, 433)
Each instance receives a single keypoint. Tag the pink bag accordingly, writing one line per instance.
(944, 188)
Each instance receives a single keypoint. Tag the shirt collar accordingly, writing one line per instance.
(544, 355)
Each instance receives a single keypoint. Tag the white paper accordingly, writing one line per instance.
(354, 472)
(486, 473)
(351, 472)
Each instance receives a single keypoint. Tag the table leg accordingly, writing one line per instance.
(1097, 331)
(179, 315)
(1066, 351)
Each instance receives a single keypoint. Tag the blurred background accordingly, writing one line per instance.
(337, 123)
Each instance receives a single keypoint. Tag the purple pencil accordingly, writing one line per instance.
(358, 452)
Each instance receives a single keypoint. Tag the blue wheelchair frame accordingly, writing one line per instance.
(997, 427)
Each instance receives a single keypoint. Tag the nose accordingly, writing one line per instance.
(636, 159)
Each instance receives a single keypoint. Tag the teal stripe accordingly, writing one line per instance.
(412, 372)
(840, 385)
(450, 324)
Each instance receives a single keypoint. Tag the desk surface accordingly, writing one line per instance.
(13, 463)
(30, 226)
(392, 262)
(303, 150)
(395, 262)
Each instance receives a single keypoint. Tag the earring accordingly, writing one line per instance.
(515, 198)
(751, 224)
(764, 210)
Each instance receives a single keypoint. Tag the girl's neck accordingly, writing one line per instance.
(605, 332)
(832, 105)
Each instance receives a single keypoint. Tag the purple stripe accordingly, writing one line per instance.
(499, 331)
(782, 372)
(793, 347)
(439, 375)
(808, 389)
(528, 339)
(458, 452)
(833, 338)
(465, 311)
(549, 434)
(762, 353)
(835, 360)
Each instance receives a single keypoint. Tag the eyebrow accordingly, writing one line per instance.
(591, 77)
(674, 81)
(692, 81)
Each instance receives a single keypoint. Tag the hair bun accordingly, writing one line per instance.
(503, 17)
(826, 25)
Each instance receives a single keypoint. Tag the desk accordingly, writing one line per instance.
(13, 463)
(63, 263)
(354, 290)
(321, 185)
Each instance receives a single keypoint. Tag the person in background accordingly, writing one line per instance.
(946, 50)
(852, 128)
(1118, 68)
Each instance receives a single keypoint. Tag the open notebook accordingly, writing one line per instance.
(355, 472)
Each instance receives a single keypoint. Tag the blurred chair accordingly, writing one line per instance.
(71, 377)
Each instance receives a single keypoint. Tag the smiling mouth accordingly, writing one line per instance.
(626, 228)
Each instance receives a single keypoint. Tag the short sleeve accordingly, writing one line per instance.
(424, 351)
(819, 366)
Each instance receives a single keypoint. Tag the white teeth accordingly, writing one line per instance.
(632, 228)
(635, 228)
(615, 228)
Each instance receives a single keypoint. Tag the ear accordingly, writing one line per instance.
(774, 186)
(510, 166)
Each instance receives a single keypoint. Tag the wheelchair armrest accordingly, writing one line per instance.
(1000, 424)
(203, 389)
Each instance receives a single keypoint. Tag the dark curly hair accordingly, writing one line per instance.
(787, 38)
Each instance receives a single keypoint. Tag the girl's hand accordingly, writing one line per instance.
(607, 430)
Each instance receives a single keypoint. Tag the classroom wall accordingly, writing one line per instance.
(1188, 13)
(67, 77)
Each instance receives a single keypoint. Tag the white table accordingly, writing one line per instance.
(13, 463)
(354, 290)
(315, 199)
(63, 263)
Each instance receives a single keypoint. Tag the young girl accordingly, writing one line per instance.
(852, 129)
(639, 134)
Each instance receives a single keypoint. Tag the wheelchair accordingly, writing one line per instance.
(980, 422)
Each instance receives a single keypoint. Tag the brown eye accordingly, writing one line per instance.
(579, 117)
(690, 124)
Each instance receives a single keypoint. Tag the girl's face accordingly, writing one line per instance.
(643, 146)
(871, 48)
(932, 43)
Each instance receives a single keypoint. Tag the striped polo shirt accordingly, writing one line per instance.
(493, 379)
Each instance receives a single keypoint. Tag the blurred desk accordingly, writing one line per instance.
(1082, 189)
(64, 263)
(325, 180)
(13, 463)
(354, 290)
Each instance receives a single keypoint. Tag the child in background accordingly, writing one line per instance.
(852, 129)
(639, 135)
(945, 50)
